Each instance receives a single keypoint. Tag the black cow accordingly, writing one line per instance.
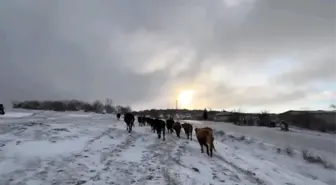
(170, 123)
(2, 109)
(188, 128)
(129, 120)
(118, 116)
(177, 127)
(160, 126)
(151, 122)
(141, 121)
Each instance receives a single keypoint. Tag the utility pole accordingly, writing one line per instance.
(176, 109)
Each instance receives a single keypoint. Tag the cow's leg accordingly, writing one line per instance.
(158, 132)
(207, 149)
(163, 133)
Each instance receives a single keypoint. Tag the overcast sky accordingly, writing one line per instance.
(251, 54)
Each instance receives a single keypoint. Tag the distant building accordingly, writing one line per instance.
(327, 116)
(243, 118)
(311, 119)
(222, 116)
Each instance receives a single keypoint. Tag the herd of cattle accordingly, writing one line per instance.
(204, 135)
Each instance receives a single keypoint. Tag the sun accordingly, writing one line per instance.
(185, 98)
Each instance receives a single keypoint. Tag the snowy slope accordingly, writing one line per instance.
(45, 147)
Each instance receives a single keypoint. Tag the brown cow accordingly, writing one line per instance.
(208, 128)
(188, 128)
(205, 137)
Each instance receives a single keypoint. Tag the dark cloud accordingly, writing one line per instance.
(129, 50)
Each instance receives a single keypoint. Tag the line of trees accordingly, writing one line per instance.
(72, 105)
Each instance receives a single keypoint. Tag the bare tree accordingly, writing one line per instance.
(109, 106)
(108, 101)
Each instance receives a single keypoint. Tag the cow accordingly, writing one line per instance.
(141, 121)
(205, 138)
(118, 116)
(160, 127)
(2, 109)
(129, 120)
(177, 127)
(188, 128)
(151, 122)
(208, 128)
(169, 125)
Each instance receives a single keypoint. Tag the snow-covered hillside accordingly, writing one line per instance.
(49, 148)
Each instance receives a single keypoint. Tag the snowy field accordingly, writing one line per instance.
(49, 148)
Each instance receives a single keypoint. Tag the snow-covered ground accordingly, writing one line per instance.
(49, 148)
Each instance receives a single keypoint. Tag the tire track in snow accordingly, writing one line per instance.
(109, 158)
(220, 171)
(96, 161)
(59, 170)
(74, 169)
(159, 157)
(251, 176)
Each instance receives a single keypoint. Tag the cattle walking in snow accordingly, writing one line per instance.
(169, 124)
(151, 122)
(205, 138)
(129, 120)
(118, 116)
(160, 127)
(208, 128)
(188, 128)
(141, 121)
(177, 127)
(2, 109)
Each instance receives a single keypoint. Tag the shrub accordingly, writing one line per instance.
(98, 106)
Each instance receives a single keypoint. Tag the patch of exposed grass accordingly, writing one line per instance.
(220, 133)
(289, 151)
(242, 138)
(310, 158)
(232, 136)
(286, 151)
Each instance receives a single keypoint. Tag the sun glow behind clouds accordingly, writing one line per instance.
(185, 98)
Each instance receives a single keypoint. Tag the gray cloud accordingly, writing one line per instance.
(96, 49)
(310, 69)
(255, 96)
